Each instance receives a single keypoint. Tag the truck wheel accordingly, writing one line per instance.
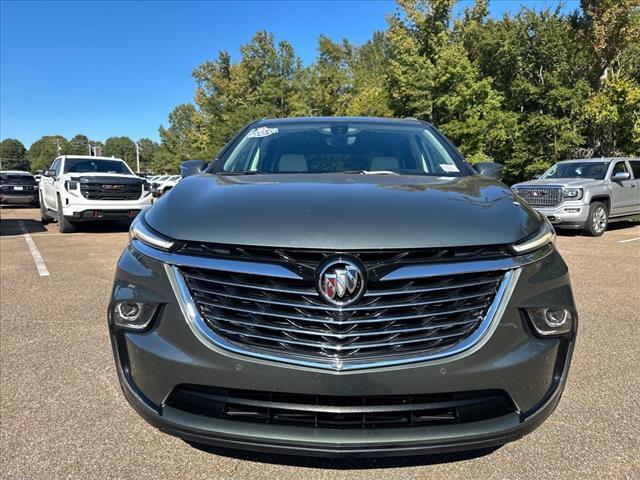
(44, 216)
(598, 219)
(64, 225)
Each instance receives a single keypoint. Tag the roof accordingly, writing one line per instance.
(601, 159)
(90, 157)
(311, 120)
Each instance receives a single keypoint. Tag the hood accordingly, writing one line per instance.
(115, 178)
(562, 182)
(342, 212)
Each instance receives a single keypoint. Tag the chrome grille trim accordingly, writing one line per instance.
(550, 196)
(471, 343)
(329, 308)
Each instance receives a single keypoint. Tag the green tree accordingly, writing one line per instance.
(79, 145)
(121, 147)
(148, 151)
(42, 152)
(13, 155)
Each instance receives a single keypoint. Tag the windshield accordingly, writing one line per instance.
(340, 147)
(86, 165)
(595, 170)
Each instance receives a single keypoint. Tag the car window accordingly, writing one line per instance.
(56, 166)
(340, 147)
(635, 166)
(90, 165)
(595, 170)
(620, 167)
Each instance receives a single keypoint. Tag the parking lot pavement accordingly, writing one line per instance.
(63, 416)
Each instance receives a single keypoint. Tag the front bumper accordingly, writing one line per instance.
(571, 215)
(19, 199)
(530, 370)
(77, 209)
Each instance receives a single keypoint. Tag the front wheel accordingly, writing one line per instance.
(64, 225)
(598, 219)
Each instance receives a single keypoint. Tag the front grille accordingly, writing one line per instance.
(378, 262)
(398, 318)
(19, 180)
(541, 196)
(340, 412)
(109, 191)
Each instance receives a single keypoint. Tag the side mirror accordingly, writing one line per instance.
(49, 173)
(618, 177)
(489, 169)
(192, 167)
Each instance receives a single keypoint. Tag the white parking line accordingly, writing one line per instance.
(37, 258)
(629, 240)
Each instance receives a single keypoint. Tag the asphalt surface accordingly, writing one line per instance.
(62, 414)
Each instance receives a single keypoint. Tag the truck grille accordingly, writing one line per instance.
(541, 196)
(109, 191)
(394, 318)
(341, 412)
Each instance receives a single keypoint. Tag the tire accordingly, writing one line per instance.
(64, 225)
(598, 219)
(44, 216)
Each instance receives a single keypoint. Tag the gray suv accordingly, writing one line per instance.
(342, 287)
(586, 194)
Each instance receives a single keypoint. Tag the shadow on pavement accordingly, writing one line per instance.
(345, 463)
(612, 227)
(12, 227)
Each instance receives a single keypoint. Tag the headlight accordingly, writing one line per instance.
(572, 193)
(550, 321)
(133, 315)
(543, 236)
(143, 232)
(72, 187)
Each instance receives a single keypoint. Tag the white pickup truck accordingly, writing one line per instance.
(81, 188)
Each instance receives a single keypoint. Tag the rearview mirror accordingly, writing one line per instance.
(618, 177)
(489, 169)
(192, 167)
(49, 173)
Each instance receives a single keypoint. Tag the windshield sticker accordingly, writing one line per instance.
(261, 132)
(448, 168)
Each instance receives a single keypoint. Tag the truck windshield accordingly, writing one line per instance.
(89, 165)
(595, 170)
(363, 148)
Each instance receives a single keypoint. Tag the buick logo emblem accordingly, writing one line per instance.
(341, 282)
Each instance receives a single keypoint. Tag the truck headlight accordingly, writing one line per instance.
(72, 187)
(546, 234)
(550, 321)
(572, 193)
(141, 231)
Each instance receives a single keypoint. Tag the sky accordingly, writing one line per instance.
(118, 68)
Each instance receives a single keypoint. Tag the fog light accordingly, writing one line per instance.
(572, 210)
(133, 315)
(550, 321)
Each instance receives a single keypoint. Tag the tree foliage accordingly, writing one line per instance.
(121, 147)
(13, 155)
(526, 90)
